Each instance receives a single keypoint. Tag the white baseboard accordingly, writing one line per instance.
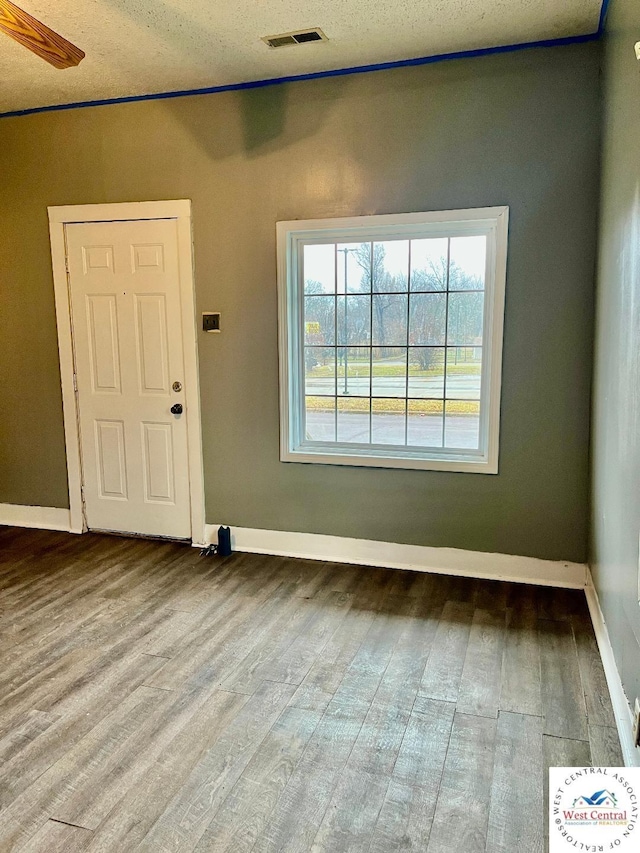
(421, 558)
(621, 707)
(42, 517)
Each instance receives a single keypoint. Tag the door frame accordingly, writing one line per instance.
(180, 211)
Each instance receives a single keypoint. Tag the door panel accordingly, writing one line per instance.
(102, 322)
(157, 443)
(128, 348)
(147, 257)
(97, 258)
(151, 327)
(112, 464)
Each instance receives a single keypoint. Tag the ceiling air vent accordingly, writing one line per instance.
(298, 37)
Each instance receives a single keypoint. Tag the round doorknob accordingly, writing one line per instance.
(176, 409)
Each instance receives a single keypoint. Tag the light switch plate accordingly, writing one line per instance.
(211, 321)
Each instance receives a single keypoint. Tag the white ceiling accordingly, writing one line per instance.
(139, 47)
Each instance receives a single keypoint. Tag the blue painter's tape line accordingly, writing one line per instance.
(315, 75)
(603, 15)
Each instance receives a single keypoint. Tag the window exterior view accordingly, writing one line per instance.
(391, 338)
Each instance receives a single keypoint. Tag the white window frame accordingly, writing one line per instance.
(291, 236)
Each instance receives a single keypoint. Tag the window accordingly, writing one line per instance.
(391, 339)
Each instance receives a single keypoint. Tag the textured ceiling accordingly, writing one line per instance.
(137, 47)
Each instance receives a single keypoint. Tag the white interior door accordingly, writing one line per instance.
(127, 333)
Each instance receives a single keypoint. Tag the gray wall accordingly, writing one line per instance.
(520, 129)
(616, 411)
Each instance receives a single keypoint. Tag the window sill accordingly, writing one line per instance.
(463, 464)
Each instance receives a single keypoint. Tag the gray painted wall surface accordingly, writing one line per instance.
(616, 412)
(519, 129)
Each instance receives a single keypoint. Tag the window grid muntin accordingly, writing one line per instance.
(406, 371)
(446, 339)
(371, 339)
(447, 363)
(335, 338)
(408, 293)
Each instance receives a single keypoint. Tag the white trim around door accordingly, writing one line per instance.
(180, 211)
(39, 517)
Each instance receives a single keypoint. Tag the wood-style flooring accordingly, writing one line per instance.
(155, 700)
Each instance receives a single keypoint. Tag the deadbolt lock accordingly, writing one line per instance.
(177, 386)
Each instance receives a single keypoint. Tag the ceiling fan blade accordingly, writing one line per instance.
(37, 37)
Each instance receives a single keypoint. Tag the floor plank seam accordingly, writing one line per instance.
(68, 823)
(521, 714)
(565, 738)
